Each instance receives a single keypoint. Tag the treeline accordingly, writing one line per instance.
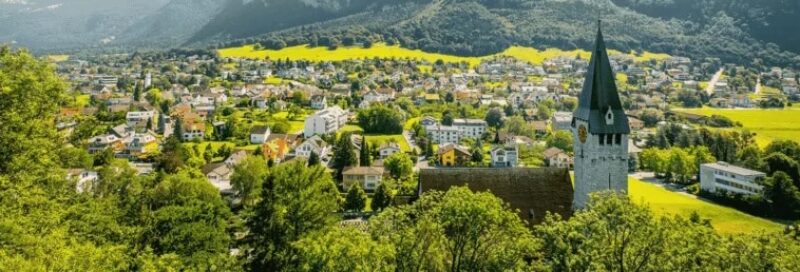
(676, 153)
(475, 28)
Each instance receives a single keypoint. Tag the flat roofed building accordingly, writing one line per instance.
(722, 176)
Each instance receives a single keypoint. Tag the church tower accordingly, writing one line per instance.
(600, 131)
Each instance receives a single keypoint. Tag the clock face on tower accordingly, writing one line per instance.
(582, 133)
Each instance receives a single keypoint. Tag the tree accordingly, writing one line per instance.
(247, 178)
(173, 156)
(782, 195)
(749, 157)
(190, 218)
(343, 155)
(681, 165)
(382, 198)
(356, 199)
(365, 158)
(295, 201)
(651, 117)
(29, 98)
(477, 152)
(343, 249)
(456, 231)
(447, 119)
(313, 159)
(561, 139)
(778, 162)
(399, 165)
(494, 118)
(208, 153)
(380, 120)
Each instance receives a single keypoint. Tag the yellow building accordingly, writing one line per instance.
(453, 155)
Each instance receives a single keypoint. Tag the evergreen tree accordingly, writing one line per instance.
(295, 200)
(365, 157)
(178, 129)
(381, 199)
(356, 199)
(313, 159)
(343, 155)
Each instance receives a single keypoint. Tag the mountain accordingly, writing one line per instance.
(733, 30)
(60, 25)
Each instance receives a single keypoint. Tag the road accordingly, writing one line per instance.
(714, 79)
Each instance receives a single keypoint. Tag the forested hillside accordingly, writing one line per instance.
(735, 31)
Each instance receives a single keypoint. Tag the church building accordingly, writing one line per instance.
(600, 131)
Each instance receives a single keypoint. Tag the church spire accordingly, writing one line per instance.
(599, 104)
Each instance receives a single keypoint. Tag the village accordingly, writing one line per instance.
(399, 116)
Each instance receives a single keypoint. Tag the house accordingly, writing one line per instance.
(721, 177)
(235, 158)
(562, 120)
(277, 146)
(140, 118)
(325, 121)
(219, 174)
(100, 143)
(556, 157)
(453, 155)
(141, 144)
(504, 156)
(319, 102)
(532, 192)
(428, 121)
(440, 134)
(192, 129)
(470, 128)
(315, 144)
(388, 149)
(259, 134)
(85, 179)
(368, 177)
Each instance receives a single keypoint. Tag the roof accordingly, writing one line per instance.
(259, 130)
(724, 166)
(221, 168)
(361, 171)
(529, 190)
(599, 95)
(459, 149)
(552, 152)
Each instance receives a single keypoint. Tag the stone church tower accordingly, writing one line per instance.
(600, 131)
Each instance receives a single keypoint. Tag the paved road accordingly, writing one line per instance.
(714, 79)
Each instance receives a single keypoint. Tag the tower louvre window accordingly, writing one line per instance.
(618, 139)
(601, 137)
(609, 138)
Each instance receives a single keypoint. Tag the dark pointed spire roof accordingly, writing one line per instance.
(600, 94)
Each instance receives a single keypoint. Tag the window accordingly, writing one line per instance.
(609, 138)
(601, 137)
(618, 139)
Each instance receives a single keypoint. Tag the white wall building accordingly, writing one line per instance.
(722, 176)
(325, 121)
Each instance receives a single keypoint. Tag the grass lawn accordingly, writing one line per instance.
(768, 124)
(725, 220)
(350, 128)
(410, 123)
(381, 50)
(214, 145)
